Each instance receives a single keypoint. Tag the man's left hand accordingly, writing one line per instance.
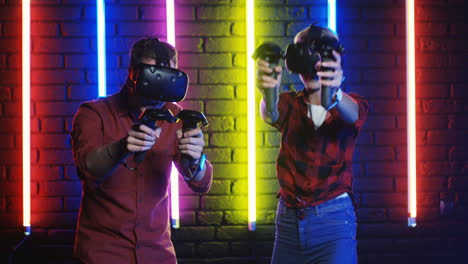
(192, 143)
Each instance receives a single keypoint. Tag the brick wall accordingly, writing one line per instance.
(210, 39)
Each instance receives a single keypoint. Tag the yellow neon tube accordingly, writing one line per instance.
(26, 82)
(411, 118)
(251, 129)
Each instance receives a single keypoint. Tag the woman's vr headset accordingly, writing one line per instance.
(302, 57)
(159, 82)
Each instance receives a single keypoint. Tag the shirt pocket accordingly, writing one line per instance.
(120, 180)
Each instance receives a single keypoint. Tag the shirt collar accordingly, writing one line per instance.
(301, 95)
(123, 108)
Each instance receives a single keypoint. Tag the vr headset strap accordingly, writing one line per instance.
(160, 55)
(313, 33)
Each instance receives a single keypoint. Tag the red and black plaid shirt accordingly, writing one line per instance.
(314, 166)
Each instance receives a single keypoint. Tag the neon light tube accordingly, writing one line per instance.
(170, 22)
(175, 217)
(411, 105)
(26, 109)
(332, 15)
(175, 222)
(251, 129)
(101, 47)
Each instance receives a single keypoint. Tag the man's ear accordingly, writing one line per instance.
(131, 82)
(131, 73)
(174, 62)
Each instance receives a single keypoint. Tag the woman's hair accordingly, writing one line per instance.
(301, 37)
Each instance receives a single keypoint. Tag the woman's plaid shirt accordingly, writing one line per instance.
(314, 166)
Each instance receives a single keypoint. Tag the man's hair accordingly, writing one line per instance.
(151, 48)
(301, 36)
(148, 48)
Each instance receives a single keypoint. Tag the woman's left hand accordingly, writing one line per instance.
(336, 76)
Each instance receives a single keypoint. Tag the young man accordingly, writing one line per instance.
(315, 220)
(124, 214)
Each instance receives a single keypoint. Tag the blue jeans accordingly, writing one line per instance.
(325, 233)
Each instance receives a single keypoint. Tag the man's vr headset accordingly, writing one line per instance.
(160, 82)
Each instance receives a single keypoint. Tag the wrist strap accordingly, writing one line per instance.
(199, 167)
(338, 97)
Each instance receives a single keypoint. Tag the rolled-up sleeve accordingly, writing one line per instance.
(363, 109)
(86, 135)
(204, 185)
(284, 106)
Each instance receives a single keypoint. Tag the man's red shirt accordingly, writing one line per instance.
(124, 218)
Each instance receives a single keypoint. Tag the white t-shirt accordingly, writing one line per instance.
(317, 113)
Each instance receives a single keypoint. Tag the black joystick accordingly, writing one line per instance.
(325, 47)
(271, 53)
(149, 118)
(191, 120)
(327, 92)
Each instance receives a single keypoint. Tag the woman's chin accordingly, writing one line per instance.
(312, 85)
(311, 90)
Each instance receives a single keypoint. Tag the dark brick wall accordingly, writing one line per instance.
(210, 39)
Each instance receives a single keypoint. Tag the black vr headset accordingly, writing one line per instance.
(302, 57)
(160, 82)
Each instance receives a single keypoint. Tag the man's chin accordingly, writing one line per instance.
(152, 103)
(155, 103)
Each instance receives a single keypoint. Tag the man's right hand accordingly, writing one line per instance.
(142, 138)
(264, 80)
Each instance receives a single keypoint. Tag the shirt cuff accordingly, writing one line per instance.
(204, 185)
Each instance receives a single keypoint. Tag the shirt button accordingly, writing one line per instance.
(137, 246)
(140, 200)
(141, 175)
